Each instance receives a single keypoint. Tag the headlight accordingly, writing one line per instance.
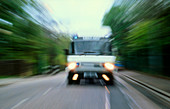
(109, 66)
(72, 65)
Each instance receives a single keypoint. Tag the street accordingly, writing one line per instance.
(84, 54)
(52, 92)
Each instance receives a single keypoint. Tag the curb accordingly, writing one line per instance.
(160, 94)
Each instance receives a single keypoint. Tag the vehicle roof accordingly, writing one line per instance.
(90, 39)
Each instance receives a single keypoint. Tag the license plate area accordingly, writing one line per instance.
(90, 75)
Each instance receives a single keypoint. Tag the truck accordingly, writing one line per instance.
(90, 58)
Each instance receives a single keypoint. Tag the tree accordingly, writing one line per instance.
(23, 36)
(140, 29)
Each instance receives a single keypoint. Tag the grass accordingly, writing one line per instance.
(9, 76)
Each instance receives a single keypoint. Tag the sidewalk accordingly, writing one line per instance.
(160, 83)
(8, 81)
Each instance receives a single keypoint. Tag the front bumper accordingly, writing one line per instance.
(90, 74)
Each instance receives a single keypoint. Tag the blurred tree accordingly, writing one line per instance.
(140, 32)
(25, 37)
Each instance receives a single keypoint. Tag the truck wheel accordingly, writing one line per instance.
(77, 82)
(111, 82)
(69, 79)
(69, 82)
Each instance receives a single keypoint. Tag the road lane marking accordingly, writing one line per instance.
(47, 91)
(107, 89)
(136, 97)
(107, 99)
(131, 99)
(21, 102)
(127, 95)
(164, 95)
(61, 84)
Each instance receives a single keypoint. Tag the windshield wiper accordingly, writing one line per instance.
(89, 52)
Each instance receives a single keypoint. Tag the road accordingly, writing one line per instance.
(52, 92)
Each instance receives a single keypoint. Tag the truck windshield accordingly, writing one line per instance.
(91, 48)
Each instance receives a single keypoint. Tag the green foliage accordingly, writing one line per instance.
(148, 34)
(140, 30)
(23, 37)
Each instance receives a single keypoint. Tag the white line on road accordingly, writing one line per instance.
(107, 98)
(107, 89)
(47, 91)
(21, 102)
(131, 99)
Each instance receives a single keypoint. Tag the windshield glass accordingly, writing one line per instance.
(92, 47)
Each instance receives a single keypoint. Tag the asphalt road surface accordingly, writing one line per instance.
(52, 92)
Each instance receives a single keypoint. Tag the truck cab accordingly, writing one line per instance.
(90, 58)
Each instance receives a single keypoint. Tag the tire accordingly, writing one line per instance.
(69, 82)
(111, 82)
(76, 82)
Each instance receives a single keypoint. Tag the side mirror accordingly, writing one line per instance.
(66, 51)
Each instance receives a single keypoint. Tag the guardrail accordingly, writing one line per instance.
(51, 69)
(158, 93)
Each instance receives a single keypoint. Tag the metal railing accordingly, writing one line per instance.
(51, 69)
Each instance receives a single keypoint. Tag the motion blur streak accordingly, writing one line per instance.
(30, 38)
(33, 49)
(140, 34)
